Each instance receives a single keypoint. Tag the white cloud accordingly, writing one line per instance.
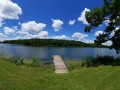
(32, 36)
(15, 27)
(1, 22)
(9, 10)
(108, 43)
(60, 37)
(82, 16)
(88, 41)
(117, 28)
(57, 24)
(79, 35)
(8, 30)
(43, 34)
(1, 35)
(22, 32)
(98, 33)
(106, 22)
(113, 32)
(19, 37)
(71, 22)
(32, 29)
(32, 26)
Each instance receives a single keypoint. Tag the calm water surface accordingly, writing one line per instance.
(45, 53)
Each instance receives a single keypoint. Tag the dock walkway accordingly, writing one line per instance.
(59, 64)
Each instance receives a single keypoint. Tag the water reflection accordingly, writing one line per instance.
(47, 52)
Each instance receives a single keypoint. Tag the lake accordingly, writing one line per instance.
(45, 53)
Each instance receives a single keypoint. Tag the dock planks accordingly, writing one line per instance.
(59, 64)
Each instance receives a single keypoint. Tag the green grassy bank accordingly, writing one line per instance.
(25, 77)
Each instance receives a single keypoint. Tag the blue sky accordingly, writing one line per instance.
(56, 19)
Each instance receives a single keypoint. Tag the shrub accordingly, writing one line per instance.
(87, 61)
(18, 61)
(36, 62)
(100, 60)
(83, 63)
(116, 62)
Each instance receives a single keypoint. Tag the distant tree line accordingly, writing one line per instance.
(51, 43)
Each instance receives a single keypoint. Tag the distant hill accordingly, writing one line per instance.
(51, 43)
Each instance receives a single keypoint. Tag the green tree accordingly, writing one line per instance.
(109, 11)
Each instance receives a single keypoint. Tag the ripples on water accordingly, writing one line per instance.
(45, 53)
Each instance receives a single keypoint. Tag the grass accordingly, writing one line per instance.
(25, 77)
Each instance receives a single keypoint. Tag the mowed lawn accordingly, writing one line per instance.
(24, 77)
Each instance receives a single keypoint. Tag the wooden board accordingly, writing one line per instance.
(59, 64)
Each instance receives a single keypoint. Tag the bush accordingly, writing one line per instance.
(117, 62)
(100, 60)
(18, 61)
(87, 61)
(36, 62)
(83, 63)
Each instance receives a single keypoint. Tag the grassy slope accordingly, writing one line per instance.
(14, 77)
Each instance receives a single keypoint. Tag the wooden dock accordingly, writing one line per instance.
(59, 64)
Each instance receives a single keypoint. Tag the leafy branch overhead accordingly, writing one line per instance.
(110, 11)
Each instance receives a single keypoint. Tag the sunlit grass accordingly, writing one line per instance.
(26, 77)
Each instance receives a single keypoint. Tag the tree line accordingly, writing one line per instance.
(52, 43)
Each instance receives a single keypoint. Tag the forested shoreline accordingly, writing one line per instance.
(52, 43)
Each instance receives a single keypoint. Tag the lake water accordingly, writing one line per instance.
(45, 53)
